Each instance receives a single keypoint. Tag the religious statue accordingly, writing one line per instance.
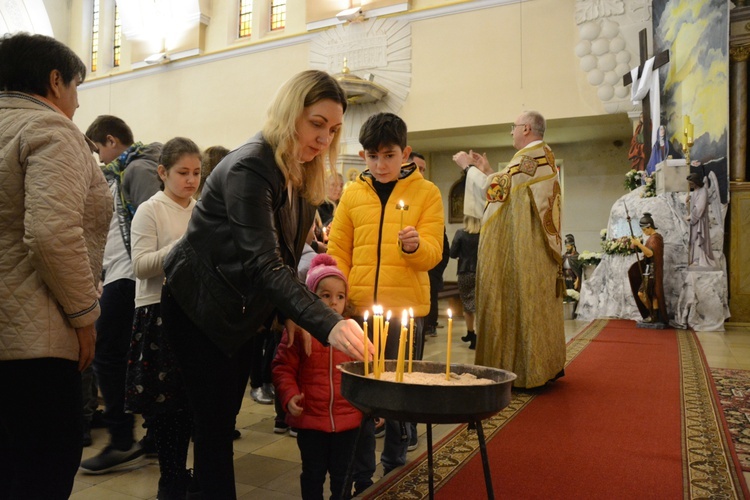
(636, 153)
(661, 151)
(700, 254)
(646, 276)
(571, 265)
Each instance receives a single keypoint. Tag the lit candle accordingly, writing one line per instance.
(365, 342)
(376, 342)
(401, 207)
(690, 133)
(385, 340)
(448, 352)
(401, 349)
(685, 122)
(411, 336)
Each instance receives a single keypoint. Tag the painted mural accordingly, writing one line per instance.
(696, 80)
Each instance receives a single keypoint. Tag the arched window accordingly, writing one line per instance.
(246, 19)
(278, 14)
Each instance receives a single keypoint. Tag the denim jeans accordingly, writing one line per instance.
(396, 432)
(114, 328)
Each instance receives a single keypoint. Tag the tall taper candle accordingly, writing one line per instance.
(401, 349)
(366, 341)
(385, 340)
(448, 351)
(376, 342)
(411, 336)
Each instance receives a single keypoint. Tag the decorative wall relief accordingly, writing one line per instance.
(608, 46)
(378, 50)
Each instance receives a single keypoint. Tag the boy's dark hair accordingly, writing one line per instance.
(105, 125)
(413, 155)
(382, 129)
(26, 62)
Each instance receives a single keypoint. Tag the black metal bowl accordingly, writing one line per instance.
(446, 404)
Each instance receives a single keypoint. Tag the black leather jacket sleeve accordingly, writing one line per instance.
(245, 237)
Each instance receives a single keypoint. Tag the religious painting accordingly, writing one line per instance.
(456, 205)
(695, 82)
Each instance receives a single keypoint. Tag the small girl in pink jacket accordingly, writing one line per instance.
(309, 388)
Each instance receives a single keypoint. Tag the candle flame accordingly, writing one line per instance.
(404, 318)
(450, 315)
(367, 314)
(411, 312)
(401, 204)
(388, 316)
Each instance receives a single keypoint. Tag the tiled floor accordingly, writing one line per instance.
(267, 465)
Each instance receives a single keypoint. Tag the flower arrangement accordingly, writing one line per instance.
(618, 246)
(603, 234)
(650, 190)
(571, 295)
(586, 257)
(636, 178)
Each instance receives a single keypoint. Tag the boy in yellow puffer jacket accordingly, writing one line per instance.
(384, 250)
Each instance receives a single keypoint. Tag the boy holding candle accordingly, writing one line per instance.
(309, 389)
(384, 249)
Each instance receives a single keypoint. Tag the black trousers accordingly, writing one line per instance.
(210, 379)
(324, 453)
(114, 329)
(41, 428)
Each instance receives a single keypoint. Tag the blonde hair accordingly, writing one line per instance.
(299, 92)
(472, 225)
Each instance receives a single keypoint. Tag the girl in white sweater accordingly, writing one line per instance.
(154, 386)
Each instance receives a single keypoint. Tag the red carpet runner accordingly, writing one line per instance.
(634, 417)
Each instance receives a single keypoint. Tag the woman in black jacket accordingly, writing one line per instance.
(234, 271)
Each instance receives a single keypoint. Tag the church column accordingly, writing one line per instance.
(738, 112)
(737, 248)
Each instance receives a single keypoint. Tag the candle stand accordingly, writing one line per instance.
(429, 404)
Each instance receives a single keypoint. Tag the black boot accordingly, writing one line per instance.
(174, 488)
(470, 335)
(473, 344)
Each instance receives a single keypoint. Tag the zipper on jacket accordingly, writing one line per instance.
(330, 388)
(230, 285)
(380, 241)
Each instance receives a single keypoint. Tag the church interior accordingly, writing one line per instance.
(458, 72)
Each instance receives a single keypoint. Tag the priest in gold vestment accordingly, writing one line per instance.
(519, 315)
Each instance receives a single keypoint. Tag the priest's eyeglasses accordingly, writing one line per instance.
(513, 127)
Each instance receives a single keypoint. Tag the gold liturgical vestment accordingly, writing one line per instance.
(519, 318)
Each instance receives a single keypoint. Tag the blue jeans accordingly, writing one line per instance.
(114, 328)
(396, 432)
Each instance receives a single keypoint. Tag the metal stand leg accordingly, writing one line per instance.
(347, 493)
(430, 473)
(485, 461)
